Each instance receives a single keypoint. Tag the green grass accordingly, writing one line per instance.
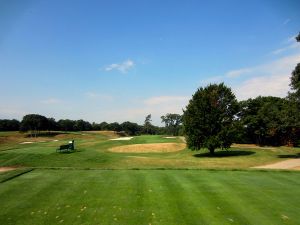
(92, 152)
(151, 197)
(96, 186)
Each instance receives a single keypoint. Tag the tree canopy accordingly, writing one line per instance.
(208, 118)
(172, 122)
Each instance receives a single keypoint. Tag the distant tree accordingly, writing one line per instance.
(148, 128)
(66, 125)
(81, 125)
(9, 125)
(96, 126)
(131, 128)
(34, 123)
(52, 124)
(209, 116)
(172, 123)
(104, 126)
(115, 126)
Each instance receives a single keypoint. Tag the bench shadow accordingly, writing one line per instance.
(291, 156)
(220, 154)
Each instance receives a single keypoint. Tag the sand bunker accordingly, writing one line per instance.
(145, 148)
(31, 142)
(26, 142)
(169, 137)
(4, 169)
(286, 164)
(122, 139)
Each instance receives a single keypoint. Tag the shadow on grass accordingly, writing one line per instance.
(220, 154)
(46, 134)
(292, 156)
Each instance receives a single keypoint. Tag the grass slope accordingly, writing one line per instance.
(150, 197)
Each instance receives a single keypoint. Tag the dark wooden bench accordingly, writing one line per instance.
(66, 148)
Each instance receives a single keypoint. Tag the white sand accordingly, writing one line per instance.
(122, 139)
(26, 142)
(286, 164)
(55, 140)
(169, 137)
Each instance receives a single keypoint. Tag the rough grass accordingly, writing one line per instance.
(149, 148)
(150, 197)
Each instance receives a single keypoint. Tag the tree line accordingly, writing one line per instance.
(36, 123)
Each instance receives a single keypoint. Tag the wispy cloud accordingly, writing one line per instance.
(237, 73)
(123, 67)
(286, 48)
(271, 78)
(290, 39)
(103, 97)
(268, 79)
(50, 101)
(286, 21)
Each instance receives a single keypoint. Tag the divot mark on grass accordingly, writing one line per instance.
(146, 148)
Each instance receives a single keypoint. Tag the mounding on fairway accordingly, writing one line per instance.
(164, 197)
(148, 148)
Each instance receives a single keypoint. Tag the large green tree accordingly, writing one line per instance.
(295, 80)
(34, 123)
(209, 116)
(264, 120)
(172, 122)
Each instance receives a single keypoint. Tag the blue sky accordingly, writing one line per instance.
(121, 60)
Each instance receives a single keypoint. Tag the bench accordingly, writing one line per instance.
(66, 148)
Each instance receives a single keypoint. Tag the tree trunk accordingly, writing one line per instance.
(212, 151)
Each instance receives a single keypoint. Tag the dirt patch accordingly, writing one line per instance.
(109, 134)
(4, 169)
(146, 148)
(286, 164)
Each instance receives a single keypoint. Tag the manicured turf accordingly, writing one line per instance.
(92, 152)
(96, 186)
(150, 197)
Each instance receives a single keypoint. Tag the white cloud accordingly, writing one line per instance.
(50, 101)
(274, 85)
(268, 79)
(121, 67)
